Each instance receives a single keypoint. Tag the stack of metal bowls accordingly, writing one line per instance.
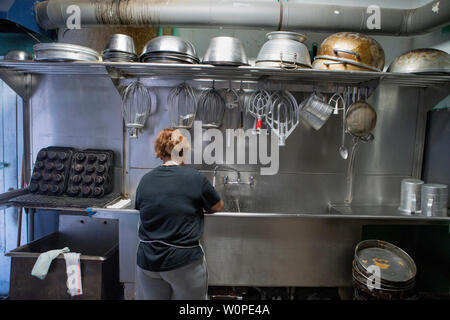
(284, 50)
(225, 51)
(434, 200)
(382, 271)
(119, 48)
(169, 49)
(410, 196)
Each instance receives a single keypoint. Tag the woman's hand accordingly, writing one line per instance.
(215, 208)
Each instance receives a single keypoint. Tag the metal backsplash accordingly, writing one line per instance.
(86, 113)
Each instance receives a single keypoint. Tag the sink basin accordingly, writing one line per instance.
(231, 205)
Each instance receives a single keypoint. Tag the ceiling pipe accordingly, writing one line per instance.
(248, 14)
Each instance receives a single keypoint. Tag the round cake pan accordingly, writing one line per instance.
(63, 52)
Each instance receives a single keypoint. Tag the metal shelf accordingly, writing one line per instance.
(119, 70)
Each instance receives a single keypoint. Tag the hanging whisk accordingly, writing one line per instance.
(136, 106)
(182, 104)
(283, 115)
(211, 108)
(258, 106)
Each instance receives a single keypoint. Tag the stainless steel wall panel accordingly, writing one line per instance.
(392, 151)
(372, 189)
(78, 112)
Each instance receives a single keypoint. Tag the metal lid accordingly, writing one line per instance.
(434, 186)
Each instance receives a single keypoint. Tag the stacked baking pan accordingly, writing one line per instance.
(51, 171)
(91, 174)
(169, 49)
(62, 171)
(120, 48)
(382, 271)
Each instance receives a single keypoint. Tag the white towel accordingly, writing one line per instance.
(74, 287)
(43, 262)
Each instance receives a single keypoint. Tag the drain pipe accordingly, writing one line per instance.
(252, 14)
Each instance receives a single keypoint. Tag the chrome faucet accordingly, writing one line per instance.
(225, 179)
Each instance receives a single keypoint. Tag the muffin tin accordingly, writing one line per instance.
(60, 171)
(51, 170)
(91, 173)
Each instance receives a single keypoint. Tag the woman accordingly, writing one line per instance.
(172, 200)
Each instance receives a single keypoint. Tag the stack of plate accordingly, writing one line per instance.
(120, 48)
(169, 49)
(62, 52)
(382, 271)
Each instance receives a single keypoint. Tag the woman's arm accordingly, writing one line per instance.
(216, 208)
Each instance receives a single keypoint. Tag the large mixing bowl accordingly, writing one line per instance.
(349, 51)
(169, 44)
(425, 60)
(225, 51)
(284, 50)
(120, 43)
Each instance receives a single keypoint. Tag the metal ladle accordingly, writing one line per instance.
(343, 151)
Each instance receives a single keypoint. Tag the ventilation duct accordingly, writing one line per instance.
(245, 14)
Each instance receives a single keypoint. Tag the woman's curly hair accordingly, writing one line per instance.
(169, 142)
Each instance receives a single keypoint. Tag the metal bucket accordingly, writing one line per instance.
(410, 195)
(434, 200)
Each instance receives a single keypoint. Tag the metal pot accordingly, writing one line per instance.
(285, 49)
(425, 60)
(349, 51)
(225, 51)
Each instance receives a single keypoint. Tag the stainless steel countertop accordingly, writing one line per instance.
(364, 212)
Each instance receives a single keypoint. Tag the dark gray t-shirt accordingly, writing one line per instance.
(171, 201)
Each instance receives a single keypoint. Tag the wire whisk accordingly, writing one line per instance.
(182, 104)
(283, 116)
(258, 107)
(136, 106)
(211, 108)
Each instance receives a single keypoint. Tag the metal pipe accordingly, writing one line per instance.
(252, 14)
